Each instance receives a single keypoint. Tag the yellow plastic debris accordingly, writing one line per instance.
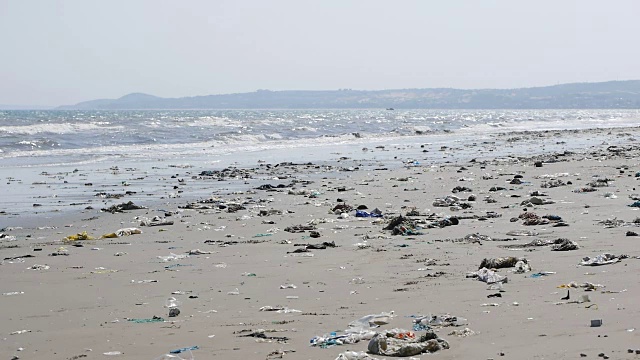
(121, 232)
(79, 236)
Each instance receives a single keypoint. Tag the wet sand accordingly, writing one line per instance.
(80, 306)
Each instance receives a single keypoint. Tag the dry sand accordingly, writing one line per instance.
(79, 307)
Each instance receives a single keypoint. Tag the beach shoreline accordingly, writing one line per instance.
(82, 303)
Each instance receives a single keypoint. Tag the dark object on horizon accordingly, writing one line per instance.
(602, 95)
(390, 109)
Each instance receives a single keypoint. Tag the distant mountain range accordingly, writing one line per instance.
(602, 95)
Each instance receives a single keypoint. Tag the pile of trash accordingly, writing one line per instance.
(585, 189)
(462, 332)
(404, 343)
(226, 174)
(600, 182)
(564, 245)
(603, 259)
(341, 208)
(303, 248)
(561, 244)
(357, 331)
(121, 232)
(500, 263)
(122, 207)
(447, 221)
(421, 323)
(611, 223)
(451, 201)
(587, 286)
(477, 238)
(401, 225)
(79, 236)
(395, 342)
(155, 221)
(270, 212)
(486, 273)
(374, 213)
(214, 203)
(533, 219)
(372, 321)
(487, 276)
(536, 201)
(334, 339)
(269, 187)
(554, 183)
(458, 189)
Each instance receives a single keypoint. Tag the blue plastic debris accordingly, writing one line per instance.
(374, 213)
(181, 350)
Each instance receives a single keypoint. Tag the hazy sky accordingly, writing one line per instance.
(62, 52)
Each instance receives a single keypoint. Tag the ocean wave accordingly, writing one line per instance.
(549, 124)
(56, 128)
(184, 134)
(232, 144)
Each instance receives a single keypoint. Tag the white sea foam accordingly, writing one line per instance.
(233, 144)
(56, 128)
(166, 134)
(551, 124)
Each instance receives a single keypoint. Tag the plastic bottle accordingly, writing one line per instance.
(172, 303)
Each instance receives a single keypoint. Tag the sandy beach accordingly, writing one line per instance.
(264, 260)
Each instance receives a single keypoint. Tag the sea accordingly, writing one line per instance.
(34, 144)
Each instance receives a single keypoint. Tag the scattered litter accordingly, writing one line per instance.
(279, 309)
(77, 237)
(154, 319)
(112, 353)
(123, 207)
(421, 323)
(372, 321)
(564, 245)
(155, 221)
(198, 252)
(18, 332)
(184, 349)
(388, 344)
(121, 233)
(487, 276)
(462, 332)
(173, 257)
(499, 263)
(374, 213)
(38, 267)
(603, 259)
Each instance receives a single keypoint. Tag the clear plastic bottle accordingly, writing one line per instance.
(172, 303)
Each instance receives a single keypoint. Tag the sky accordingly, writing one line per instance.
(55, 52)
